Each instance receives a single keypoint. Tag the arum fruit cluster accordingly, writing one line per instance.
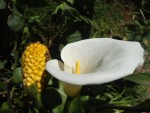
(101, 60)
(34, 59)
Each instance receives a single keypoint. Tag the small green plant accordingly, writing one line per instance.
(108, 16)
(138, 29)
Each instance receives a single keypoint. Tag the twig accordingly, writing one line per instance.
(142, 14)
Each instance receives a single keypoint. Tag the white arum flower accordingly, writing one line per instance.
(101, 60)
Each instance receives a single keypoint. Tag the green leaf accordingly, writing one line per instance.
(141, 23)
(72, 12)
(26, 30)
(141, 78)
(2, 4)
(5, 105)
(74, 37)
(2, 64)
(147, 22)
(60, 108)
(32, 89)
(2, 86)
(20, 3)
(50, 98)
(76, 106)
(35, 19)
(61, 47)
(17, 75)
(138, 38)
(146, 40)
(85, 98)
(71, 1)
(15, 22)
(19, 102)
(62, 7)
(130, 36)
(5, 108)
(16, 11)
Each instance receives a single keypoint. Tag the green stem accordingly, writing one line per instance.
(67, 104)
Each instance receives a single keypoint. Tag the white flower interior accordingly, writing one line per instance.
(102, 60)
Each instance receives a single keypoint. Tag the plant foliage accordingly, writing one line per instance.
(56, 23)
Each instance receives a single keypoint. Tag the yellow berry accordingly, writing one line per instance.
(29, 71)
(38, 78)
(42, 64)
(30, 64)
(35, 78)
(26, 75)
(36, 71)
(39, 90)
(32, 61)
(24, 81)
(29, 79)
(32, 75)
(27, 59)
(40, 73)
(39, 85)
(28, 83)
(26, 53)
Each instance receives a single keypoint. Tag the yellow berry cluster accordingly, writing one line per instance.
(33, 64)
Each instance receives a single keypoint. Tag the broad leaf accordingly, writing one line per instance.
(74, 37)
(33, 91)
(15, 22)
(2, 86)
(2, 64)
(5, 108)
(17, 75)
(60, 108)
(72, 11)
(50, 98)
(76, 106)
(71, 1)
(141, 23)
(141, 78)
(138, 38)
(5, 105)
(146, 40)
(2, 4)
(62, 7)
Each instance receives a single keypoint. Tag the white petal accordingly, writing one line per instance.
(102, 60)
(102, 52)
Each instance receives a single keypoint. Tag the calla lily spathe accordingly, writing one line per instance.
(102, 60)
